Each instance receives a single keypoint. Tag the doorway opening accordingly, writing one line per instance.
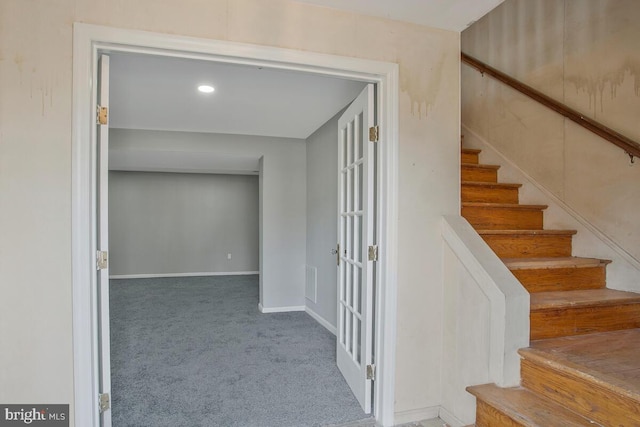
(88, 42)
(180, 204)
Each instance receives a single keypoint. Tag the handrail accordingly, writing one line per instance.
(631, 147)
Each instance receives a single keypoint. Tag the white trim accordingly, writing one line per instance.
(87, 41)
(450, 419)
(280, 309)
(568, 209)
(385, 328)
(83, 231)
(152, 276)
(416, 415)
(324, 322)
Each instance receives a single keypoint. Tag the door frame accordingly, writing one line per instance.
(88, 42)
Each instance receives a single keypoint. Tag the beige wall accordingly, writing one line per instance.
(586, 54)
(35, 166)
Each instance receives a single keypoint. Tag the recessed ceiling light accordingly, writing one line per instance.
(206, 88)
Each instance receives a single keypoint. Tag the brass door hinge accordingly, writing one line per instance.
(373, 253)
(371, 372)
(102, 116)
(102, 260)
(104, 402)
(374, 133)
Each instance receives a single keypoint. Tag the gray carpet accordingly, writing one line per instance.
(197, 352)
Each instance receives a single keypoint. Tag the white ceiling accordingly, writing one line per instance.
(159, 93)
(454, 15)
(153, 92)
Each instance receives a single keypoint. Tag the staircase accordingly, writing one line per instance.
(583, 364)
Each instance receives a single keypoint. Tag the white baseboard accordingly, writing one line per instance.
(324, 322)
(568, 209)
(280, 309)
(153, 276)
(450, 419)
(415, 415)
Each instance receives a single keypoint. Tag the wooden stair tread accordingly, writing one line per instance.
(470, 156)
(608, 359)
(472, 170)
(558, 273)
(485, 189)
(491, 184)
(527, 408)
(503, 216)
(480, 166)
(527, 242)
(517, 206)
(471, 151)
(553, 262)
(582, 298)
(529, 232)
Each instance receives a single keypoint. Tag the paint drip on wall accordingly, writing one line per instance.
(420, 81)
(599, 85)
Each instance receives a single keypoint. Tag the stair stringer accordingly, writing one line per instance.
(486, 320)
(622, 274)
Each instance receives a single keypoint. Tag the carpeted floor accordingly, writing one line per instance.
(188, 352)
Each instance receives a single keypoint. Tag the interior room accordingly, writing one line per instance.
(196, 333)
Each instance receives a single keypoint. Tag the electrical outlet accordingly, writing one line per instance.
(228, 256)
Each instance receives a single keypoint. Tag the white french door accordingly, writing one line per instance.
(355, 234)
(102, 207)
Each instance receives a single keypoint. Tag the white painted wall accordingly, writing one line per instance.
(283, 201)
(36, 363)
(486, 312)
(174, 223)
(322, 208)
(466, 332)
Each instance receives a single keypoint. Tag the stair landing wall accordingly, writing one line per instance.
(465, 341)
(478, 346)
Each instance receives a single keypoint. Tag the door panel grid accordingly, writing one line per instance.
(351, 212)
(355, 220)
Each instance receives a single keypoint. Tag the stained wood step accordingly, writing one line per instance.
(469, 155)
(529, 243)
(558, 274)
(489, 192)
(503, 216)
(563, 313)
(596, 375)
(477, 172)
(510, 407)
